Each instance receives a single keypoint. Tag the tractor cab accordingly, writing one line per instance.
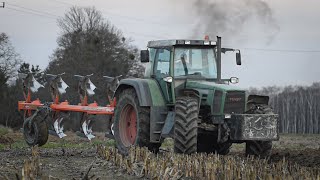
(177, 63)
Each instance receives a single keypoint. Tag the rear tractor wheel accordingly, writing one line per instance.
(132, 123)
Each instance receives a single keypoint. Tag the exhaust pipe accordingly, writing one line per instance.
(218, 59)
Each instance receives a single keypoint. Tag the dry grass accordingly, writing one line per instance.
(4, 130)
(141, 162)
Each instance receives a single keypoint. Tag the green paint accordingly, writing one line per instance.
(202, 84)
(208, 88)
(163, 93)
(156, 95)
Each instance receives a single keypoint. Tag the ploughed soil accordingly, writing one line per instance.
(303, 150)
(70, 158)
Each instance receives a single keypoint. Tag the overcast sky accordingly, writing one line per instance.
(290, 58)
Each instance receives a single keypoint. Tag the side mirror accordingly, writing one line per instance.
(238, 57)
(144, 55)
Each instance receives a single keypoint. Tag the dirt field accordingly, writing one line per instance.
(71, 158)
(301, 149)
(68, 158)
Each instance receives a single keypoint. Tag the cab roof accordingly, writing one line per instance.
(168, 43)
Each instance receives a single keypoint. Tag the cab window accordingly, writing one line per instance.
(162, 62)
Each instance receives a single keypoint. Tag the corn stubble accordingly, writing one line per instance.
(141, 162)
(31, 169)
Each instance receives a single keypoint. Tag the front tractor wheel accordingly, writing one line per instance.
(186, 125)
(260, 149)
(132, 123)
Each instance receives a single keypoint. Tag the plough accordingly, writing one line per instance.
(39, 116)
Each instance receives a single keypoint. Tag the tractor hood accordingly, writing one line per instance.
(211, 86)
(223, 98)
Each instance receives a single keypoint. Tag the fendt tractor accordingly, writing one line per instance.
(182, 96)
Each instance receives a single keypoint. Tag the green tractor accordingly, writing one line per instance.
(182, 96)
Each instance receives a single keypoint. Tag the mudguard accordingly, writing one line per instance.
(257, 99)
(148, 91)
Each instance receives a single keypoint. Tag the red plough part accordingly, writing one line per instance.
(33, 109)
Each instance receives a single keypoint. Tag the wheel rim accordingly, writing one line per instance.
(128, 125)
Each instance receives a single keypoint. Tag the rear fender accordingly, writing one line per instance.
(148, 91)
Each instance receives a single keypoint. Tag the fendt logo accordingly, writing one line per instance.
(235, 99)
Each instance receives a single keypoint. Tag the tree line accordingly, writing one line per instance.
(298, 107)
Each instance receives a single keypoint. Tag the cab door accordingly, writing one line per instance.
(161, 71)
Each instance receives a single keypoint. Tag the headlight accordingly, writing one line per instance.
(234, 80)
(227, 116)
(168, 79)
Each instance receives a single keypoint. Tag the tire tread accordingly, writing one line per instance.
(186, 125)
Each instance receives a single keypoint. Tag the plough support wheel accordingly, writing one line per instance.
(35, 130)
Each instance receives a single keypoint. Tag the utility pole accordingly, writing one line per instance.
(3, 4)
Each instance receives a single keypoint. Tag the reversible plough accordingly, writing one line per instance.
(38, 116)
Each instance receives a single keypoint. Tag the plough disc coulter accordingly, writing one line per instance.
(36, 113)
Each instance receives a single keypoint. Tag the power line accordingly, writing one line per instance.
(138, 19)
(126, 17)
(146, 35)
(34, 10)
(285, 50)
(52, 16)
(63, 2)
(29, 12)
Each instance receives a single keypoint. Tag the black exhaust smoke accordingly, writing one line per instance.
(228, 18)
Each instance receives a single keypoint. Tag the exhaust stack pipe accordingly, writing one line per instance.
(218, 59)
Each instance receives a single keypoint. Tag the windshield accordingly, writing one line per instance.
(195, 62)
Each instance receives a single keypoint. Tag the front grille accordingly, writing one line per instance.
(217, 99)
(234, 102)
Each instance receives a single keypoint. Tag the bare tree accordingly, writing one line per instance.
(90, 44)
(9, 59)
(298, 107)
